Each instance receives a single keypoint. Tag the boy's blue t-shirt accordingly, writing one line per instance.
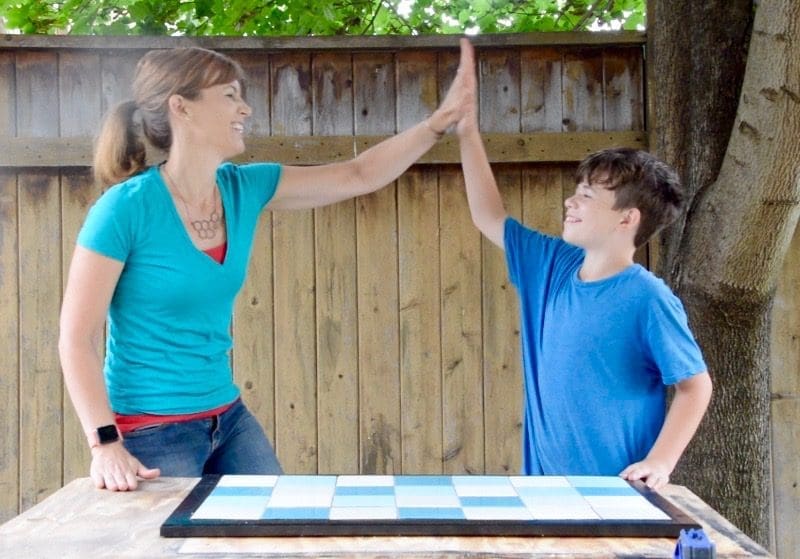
(169, 320)
(596, 357)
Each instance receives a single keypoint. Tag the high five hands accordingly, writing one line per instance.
(458, 106)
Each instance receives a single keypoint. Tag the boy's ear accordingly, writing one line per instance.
(631, 218)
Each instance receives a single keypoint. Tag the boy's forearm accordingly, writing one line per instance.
(483, 196)
(683, 418)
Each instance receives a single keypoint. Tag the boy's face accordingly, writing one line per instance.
(590, 218)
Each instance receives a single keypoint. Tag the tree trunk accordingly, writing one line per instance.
(733, 135)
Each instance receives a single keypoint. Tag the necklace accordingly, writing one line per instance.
(204, 228)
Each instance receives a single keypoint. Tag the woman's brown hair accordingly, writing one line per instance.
(120, 151)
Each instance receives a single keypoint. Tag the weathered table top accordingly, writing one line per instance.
(81, 521)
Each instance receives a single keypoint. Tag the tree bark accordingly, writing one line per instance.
(732, 132)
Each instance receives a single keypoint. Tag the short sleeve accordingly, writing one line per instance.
(672, 345)
(530, 253)
(107, 228)
(259, 180)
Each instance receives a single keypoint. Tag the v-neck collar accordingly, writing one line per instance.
(170, 201)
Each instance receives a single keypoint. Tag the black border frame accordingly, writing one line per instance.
(180, 524)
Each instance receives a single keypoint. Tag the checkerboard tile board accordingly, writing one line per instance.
(422, 505)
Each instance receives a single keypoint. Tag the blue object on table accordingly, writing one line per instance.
(694, 544)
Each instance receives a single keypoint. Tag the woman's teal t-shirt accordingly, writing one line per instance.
(169, 320)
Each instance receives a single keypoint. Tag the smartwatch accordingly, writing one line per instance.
(104, 435)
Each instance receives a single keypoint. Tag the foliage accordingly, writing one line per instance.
(314, 17)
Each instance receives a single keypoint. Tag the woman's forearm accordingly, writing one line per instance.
(83, 376)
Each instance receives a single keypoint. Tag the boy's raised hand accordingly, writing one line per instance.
(467, 74)
(460, 98)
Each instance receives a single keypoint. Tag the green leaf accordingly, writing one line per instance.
(292, 17)
(635, 21)
(203, 8)
(139, 10)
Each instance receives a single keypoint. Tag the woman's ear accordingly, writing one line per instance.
(178, 107)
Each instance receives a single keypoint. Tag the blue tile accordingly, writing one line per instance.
(231, 491)
(299, 513)
(425, 491)
(422, 480)
(417, 513)
(491, 502)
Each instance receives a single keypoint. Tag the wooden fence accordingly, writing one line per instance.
(375, 335)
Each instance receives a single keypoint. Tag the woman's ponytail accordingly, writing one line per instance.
(119, 150)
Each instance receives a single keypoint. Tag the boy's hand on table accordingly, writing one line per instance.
(654, 473)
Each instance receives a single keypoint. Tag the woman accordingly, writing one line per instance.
(163, 253)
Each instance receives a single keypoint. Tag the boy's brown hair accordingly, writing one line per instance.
(639, 180)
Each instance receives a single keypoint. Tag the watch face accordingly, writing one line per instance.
(107, 434)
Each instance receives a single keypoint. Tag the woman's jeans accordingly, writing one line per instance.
(230, 443)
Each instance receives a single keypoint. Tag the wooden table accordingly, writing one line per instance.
(80, 521)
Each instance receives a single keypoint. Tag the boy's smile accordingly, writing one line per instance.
(590, 217)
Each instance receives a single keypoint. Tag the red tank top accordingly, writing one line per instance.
(218, 252)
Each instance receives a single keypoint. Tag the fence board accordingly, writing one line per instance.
(583, 90)
(9, 345)
(257, 91)
(419, 329)
(500, 87)
(311, 150)
(79, 192)
(337, 316)
(79, 115)
(40, 386)
(543, 195)
(9, 303)
(358, 43)
(293, 248)
(462, 375)
(117, 71)
(418, 222)
(502, 357)
(785, 405)
(8, 99)
(253, 352)
(624, 91)
(376, 231)
(540, 91)
(253, 318)
(499, 91)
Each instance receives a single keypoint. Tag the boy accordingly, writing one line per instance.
(601, 336)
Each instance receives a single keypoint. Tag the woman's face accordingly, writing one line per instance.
(217, 118)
